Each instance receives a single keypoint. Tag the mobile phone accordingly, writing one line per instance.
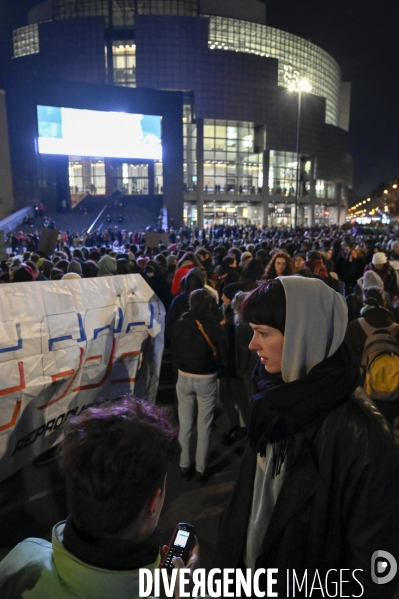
(180, 545)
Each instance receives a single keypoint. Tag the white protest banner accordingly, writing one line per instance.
(65, 344)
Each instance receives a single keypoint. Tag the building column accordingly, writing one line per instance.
(200, 174)
(312, 195)
(151, 178)
(338, 192)
(108, 177)
(86, 174)
(62, 181)
(265, 188)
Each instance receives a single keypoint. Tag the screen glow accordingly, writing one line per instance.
(76, 132)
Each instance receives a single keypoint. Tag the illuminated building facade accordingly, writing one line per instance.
(245, 158)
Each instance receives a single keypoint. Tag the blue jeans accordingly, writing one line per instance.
(191, 391)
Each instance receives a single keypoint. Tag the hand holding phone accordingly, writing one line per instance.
(181, 543)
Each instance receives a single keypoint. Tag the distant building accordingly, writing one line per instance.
(240, 121)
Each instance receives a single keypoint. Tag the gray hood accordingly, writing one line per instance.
(315, 325)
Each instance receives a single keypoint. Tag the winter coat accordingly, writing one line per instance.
(339, 503)
(388, 276)
(191, 351)
(37, 569)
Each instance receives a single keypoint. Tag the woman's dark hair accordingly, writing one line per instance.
(189, 256)
(160, 259)
(227, 265)
(266, 304)
(236, 252)
(270, 271)
(201, 301)
(77, 253)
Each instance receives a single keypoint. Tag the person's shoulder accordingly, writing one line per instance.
(23, 566)
(357, 422)
(30, 549)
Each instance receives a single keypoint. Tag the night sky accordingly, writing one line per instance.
(362, 36)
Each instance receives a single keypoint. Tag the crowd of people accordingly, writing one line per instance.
(276, 324)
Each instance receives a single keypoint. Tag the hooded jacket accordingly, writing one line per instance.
(179, 304)
(106, 266)
(339, 500)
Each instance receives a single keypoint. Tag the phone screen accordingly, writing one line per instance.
(181, 538)
(180, 546)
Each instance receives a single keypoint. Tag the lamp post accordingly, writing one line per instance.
(300, 86)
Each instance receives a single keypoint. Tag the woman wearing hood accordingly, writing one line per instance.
(317, 488)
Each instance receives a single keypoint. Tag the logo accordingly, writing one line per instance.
(383, 567)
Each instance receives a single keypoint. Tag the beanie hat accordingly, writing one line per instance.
(245, 256)
(142, 261)
(231, 289)
(379, 258)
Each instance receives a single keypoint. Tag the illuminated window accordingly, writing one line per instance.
(26, 40)
(168, 7)
(230, 165)
(297, 58)
(124, 61)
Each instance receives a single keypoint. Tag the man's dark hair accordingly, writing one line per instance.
(373, 297)
(266, 304)
(201, 301)
(114, 456)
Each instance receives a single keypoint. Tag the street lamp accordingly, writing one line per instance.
(300, 86)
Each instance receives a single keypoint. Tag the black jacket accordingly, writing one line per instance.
(339, 503)
(191, 351)
(356, 337)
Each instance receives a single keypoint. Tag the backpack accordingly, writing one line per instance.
(380, 362)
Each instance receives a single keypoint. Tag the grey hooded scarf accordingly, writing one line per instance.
(315, 325)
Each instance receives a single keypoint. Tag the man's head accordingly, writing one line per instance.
(201, 301)
(114, 458)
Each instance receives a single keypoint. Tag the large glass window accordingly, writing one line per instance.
(282, 173)
(297, 57)
(230, 165)
(86, 175)
(98, 177)
(130, 179)
(168, 7)
(325, 189)
(124, 62)
(158, 174)
(123, 11)
(26, 40)
(71, 9)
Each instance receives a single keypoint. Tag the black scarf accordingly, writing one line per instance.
(280, 410)
(111, 554)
